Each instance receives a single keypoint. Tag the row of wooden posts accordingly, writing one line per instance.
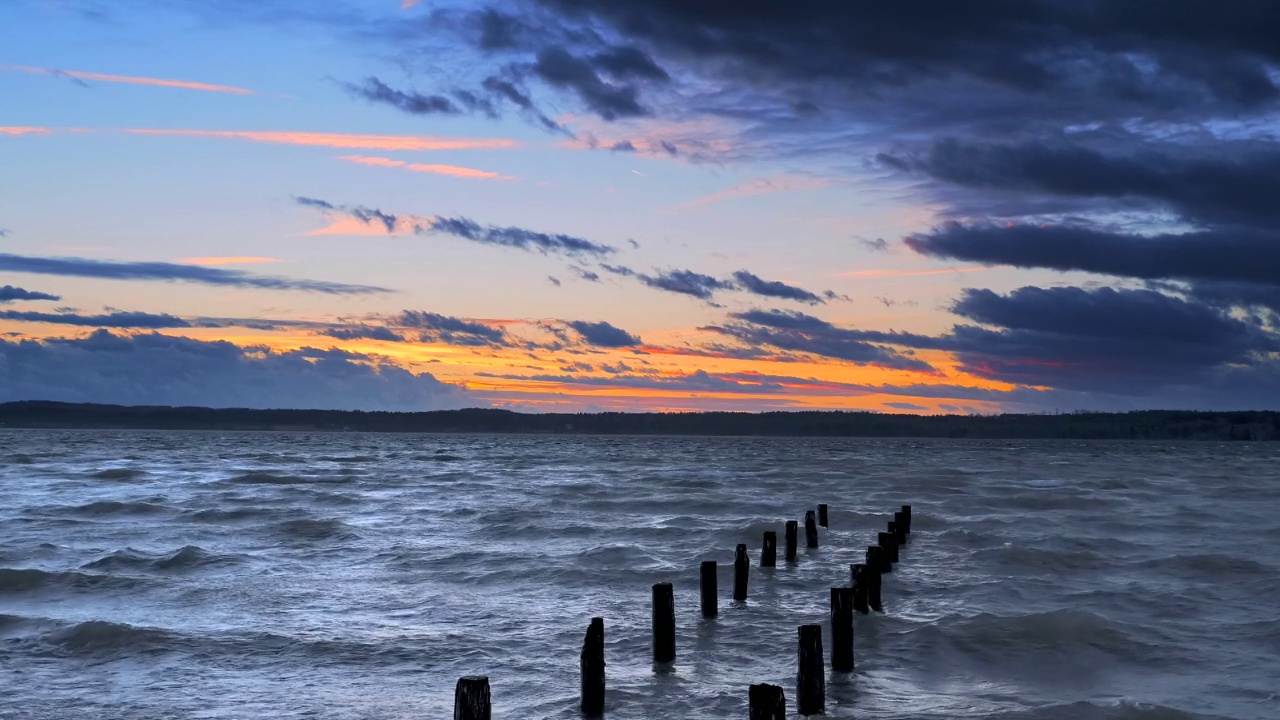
(766, 702)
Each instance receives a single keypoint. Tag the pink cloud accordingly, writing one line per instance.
(341, 140)
(450, 170)
(12, 130)
(236, 260)
(761, 186)
(129, 79)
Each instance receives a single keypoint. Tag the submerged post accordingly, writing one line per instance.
(871, 574)
(810, 529)
(769, 552)
(593, 669)
(860, 591)
(664, 623)
(471, 698)
(810, 684)
(741, 568)
(792, 532)
(822, 514)
(906, 515)
(767, 702)
(707, 583)
(842, 629)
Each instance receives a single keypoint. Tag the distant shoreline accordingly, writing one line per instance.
(1138, 425)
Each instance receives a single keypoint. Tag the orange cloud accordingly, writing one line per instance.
(129, 79)
(450, 170)
(347, 224)
(761, 186)
(11, 130)
(341, 140)
(239, 260)
(912, 273)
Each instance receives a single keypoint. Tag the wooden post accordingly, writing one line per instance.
(810, 529)
(810, 683)
(708, 587)
(792, 531)
(592, 664)
(906, 515)
(842, 629)
(471, 699)
(822, 514)
(890, 544)
(741, 568)
(767, 702)
(664, 623)
(877, 559)
(860, 589)
(871, 574)
(769, 552)
(898, 529)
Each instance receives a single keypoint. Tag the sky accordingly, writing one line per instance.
(657, 205)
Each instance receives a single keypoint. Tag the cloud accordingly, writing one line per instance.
(341, 140)
(561, 69)
(449, 170)
(686, 282)
(112, 320)
(516, 237)
(129, 79)
(906, 406)
(83, 267)
(363, 332)
(20, 130)
(374, 90)
(760, 186)
(450, 330)
(798, 332)
(152, 369)
(602, 334)
(770, 288)
(1215, 183)
(9, 293)
(232, 260)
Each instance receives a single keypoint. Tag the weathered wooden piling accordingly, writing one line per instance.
(792, 532)
(767, 702)
(811, 687)
(593, 669)
(810, 529)
(870, 575)
(707, 584)
(741, 568)
(822, 514)
(664, 623)
(860, 591)
(889, 542)
(842, 629)
(471, 699)
(906, 515)
(898, 528)
(769, 551)
(878, 559)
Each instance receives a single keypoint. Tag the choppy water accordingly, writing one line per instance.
(254, 575)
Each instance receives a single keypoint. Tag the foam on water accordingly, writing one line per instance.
(341, 576)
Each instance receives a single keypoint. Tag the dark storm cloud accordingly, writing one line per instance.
(82, 267)
(602, 334)
(624, 63)
(1237, 186)
(772, 288)
(314, 202)
(559, 68)
(112, 320)
(154, 369)
(450, 330)
(376, 91)
(9, 293)
(517, 237)
(368, 332)
(1218, 255)
(797, 332)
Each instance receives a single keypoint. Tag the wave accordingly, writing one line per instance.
(1210, 565)
(1124, 710)
(347, 458)
(186, 557)
(314, 529)
(119, 474)
(117, 507)
(1040, 559)
(18, 580)
(20, 459)
(266, 478)
(241, 513)
(97, 636)
(1068, 633)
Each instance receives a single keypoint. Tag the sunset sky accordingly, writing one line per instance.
(563, 205)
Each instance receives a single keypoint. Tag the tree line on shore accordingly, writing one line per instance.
(1137, 425)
